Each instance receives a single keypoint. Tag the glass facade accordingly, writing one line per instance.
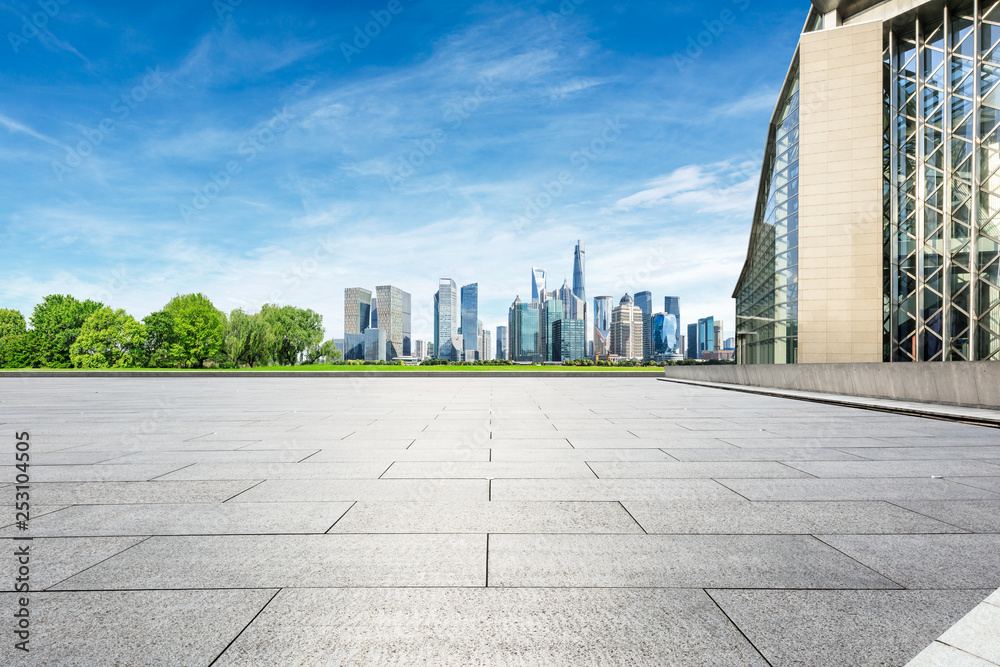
(551, 313)
(525, 343)
(941, 259)
(767, 292)
(357, 309)
(502, 342)
(446, 320)
(394, 319)
(470, 320)
(571, 335)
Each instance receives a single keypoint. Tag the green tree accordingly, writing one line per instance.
(21, 351)
(57, 322)
(324, 353)
(11, 323)
(296, 330)
(248, 339)
(159, 337)
(108, 339)
(197, 328)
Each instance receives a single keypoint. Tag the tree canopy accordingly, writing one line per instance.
(196, 330)
(57, 320)
(296, 330)
(108, 339)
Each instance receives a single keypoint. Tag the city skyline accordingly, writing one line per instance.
(150, 209)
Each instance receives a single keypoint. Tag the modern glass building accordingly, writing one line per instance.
(357, 309)
(537, 285)
(374, 324)
(706, 336)
(571, 335)
(644, 301)
(603, 306)
(692, 342)
(447, 344)
(626, 329)
(525, 343)
(580, 292)
(876, 234)
(551, 312)
(470, 319)
(665, 337)
(394, 318)
(502, 343)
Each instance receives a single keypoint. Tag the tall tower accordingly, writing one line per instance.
(579, 275)
(446, 317)
(470, 318)
(357, 309)
(537, 285)
(394, 319)
(644, 301)
(602, 325)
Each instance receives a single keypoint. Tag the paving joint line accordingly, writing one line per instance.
(240, 633)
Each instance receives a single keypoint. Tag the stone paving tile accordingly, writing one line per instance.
(977, 633)
(133, 627)
(390, 455)
(72, 458)
(895, 488)
(640, 443)
(927, 561)
(860, 469)
(780, 518)
(527, 455)
(770, 440)
(923, 453)
(495, 470)
(404, 490)
(487, 517)
(495, 443)
(55, 559)
(694, 470)
(347, 443)
(113, 493)
(172, 446)
(674, 561)
(761, 454)
(939, 655)
(986, 483)
(493, 627)
(978, 516)
(188, 519)
(609, 489)
(93, 473)
(291, 561)
(305, 470)
(843, 628)
(183, 458)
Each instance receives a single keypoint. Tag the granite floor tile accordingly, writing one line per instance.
(53, 559)
(609, 489)
(306, 470)
(674, 561)
(113, 493)
(783, 454)
(895, 488)
(133, 627)
(408, 490)
(495, 470)
(291, 561)
(493, 626)
(843, 628)
(956, 452)
(540, 455)
(92, 473)
(927, 561)
(859, 469)
(775, 518)
(977, 516)
(487, 517)
(188, 519)
(695, 470)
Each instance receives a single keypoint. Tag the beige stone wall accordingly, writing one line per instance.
(840, 195)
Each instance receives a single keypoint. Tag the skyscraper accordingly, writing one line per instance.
(502, 343)
(357, 309)
(374, 313)
(470, 317)
(571, 339)
(552, 312)
(603, 306)
(487, 348)
(692, 342)
(580, 291)
(394, 319)
(672, 323)
(626, 329)
(706, 336)
(447, 344)
(644, 301)
(537, 285)
(665, 339)
(523, 319)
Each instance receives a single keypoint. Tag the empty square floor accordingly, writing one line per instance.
(516, 520)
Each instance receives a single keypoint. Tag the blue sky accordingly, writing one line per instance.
(274, 152)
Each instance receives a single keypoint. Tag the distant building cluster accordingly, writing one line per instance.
(555, 326)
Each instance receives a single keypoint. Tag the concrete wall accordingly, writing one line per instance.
(840, 195)
(969, 384)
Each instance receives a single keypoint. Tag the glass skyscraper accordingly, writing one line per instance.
(502, 343)
(706, 335)
(551, 312)
(537, 285)
(603, 307)
(523, 320)
(374, 324)
(571, 338)
(447, 344)
(394, 319)
(357, 309)
(470, 319)
(644, 301)
(692, 342)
